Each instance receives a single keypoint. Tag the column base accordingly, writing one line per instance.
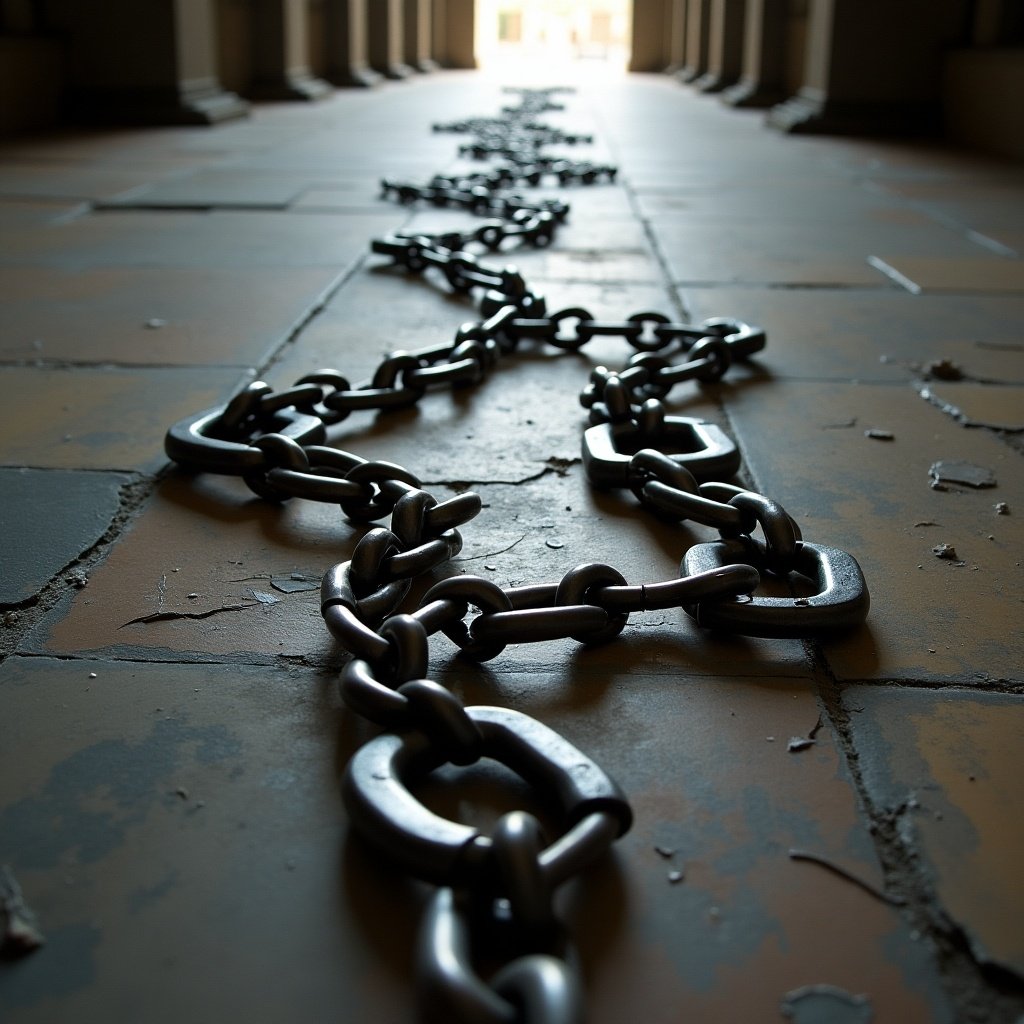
(713, 81)
(196, 105)
(752, 95)
(810, 115)
(363, 77)
(687, 74)
(300, 87)
(394, 72)
(424, 65)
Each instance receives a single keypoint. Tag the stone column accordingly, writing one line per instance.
(129, 63)
(454, 32)
(387, 39)
(698, 14)
(649, 50)
(348, 52)
(281, 52)
(675, 36)
(871, 66)
(418, 24)
(763, 81)
(725, 46)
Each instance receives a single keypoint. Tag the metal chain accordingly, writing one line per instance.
(496, 888)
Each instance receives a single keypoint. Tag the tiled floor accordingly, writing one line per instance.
(171, 736)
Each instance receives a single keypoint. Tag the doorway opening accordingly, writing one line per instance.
(548, 40)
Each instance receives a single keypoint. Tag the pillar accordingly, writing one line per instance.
(418, 49)
(454, 33)
(281, 52)
(763, 79)
(725, 46)
(675, 36)
(871, 66)
(152, 63)
(649, 50)
(348, 52)
(698, 14)
(387, 39)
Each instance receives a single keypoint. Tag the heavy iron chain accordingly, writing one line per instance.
(496, 890)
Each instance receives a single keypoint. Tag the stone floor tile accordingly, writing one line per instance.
(50, 518)
(166, 315)
(146, 811)
(939, 273)
(100, 417)
(592, 232)
(380, 310)
(980, 405)
(221, 239)
(229, 186)
(351, 196)
(195, 575)
(21, 213)
(947, 764)
(834, 203)
(932, 618)
(873, 334)
(764, 254)
(20, 180)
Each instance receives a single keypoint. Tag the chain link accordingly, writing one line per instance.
(504, 880)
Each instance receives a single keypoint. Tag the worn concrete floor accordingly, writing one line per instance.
(171, 738)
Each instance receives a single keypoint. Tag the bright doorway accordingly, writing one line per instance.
(545, 40)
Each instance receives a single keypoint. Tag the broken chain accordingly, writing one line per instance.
(496, 889)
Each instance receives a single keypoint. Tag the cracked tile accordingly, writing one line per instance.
(145, 802)
(931, 618)
(79, 509)
(979, 405)
(949, 762)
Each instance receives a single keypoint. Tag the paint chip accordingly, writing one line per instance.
(20, 935)
(952, 472)
(798, 743)
(876, 434)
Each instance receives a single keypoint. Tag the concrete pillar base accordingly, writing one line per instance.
(809, 115)
(355, 78)
(751, 95)
(292, 86)
(200, 104)
(712, 82)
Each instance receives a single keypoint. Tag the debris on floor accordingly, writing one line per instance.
(825, 1004)
(955, 472)
(879, 435)
(828, 865)
(946, 551)
(943, 369)
(1001, 508)
(296, 583)
(21, 933)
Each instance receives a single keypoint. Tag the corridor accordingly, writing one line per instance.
(828, 829)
